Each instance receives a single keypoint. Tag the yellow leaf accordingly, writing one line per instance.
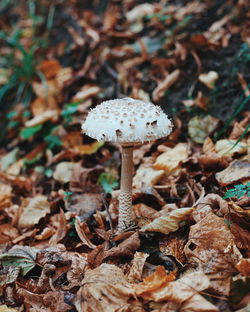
(170, 160)
(4, 308)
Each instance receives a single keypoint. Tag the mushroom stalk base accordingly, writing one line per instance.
(126, 220)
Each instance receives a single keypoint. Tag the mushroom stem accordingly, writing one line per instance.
(126, 220)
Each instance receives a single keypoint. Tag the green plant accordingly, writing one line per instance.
(20, 63)
(238, 191)
(107, 181)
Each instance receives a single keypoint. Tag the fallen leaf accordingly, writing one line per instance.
(33, 210)
(5, 195)
(153, 283)
(125, 249)
(85, 179)
(82, 235)
(164, 85)
(170, 160)
(20, 256)
(135, 271)
(50, 68)
(210, 203)
(201, 127)
(4, 308)
(197, 303)
(136, 15)
(211, 245)
(238, 170)
(77, 269)
(104, 289)
(146, 176)
(169, 223)
(243, 266)
(42, 118)
(63, 172)
(173, 245)
(209, 79)
(180, 290)
(230, 147)
(9, 159)
(61, 230)
(7, 233)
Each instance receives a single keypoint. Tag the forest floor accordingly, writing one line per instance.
(59, 188)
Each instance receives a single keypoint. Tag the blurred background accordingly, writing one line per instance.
(59, 58)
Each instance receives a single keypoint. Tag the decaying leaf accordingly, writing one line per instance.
(33, 210)
(169, 223)
(104, 289)
(238, 169)
(173, 245)
(63, 172)
(230, 147)
(170, 160)
(200, 127)
(20, 256)
(211, 245)
(42, 118)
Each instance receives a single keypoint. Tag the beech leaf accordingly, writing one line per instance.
(169, 223)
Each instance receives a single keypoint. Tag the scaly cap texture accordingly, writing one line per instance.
(127, 120)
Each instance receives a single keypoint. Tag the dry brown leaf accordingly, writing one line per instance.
(146, 176)
(63, 172)
(164, 85)
(82, 235)
(170, 160)
(244, 212)
(77, 268)
(173, 245)
(208, 146)
(7, 233)
(169, 223)
(243, 266)
(85, 92)
(5, 195)
(86, 204)
(229, 147)
(33, 210)
(50, 68)
(238, 169)
(42, 118)
(197, 303)
(125, 249)
(85, 179)
(211, 246)
(135, 271)
(153, 283)
(104, 289)
(61, 230)
(210, 203)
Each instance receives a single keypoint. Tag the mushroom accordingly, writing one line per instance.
(126, 121)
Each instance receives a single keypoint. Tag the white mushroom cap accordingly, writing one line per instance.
(126, 120)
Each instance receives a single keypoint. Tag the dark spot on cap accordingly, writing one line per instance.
(154, 123)
(118, 133)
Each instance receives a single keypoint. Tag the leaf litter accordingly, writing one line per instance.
(59, 188)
